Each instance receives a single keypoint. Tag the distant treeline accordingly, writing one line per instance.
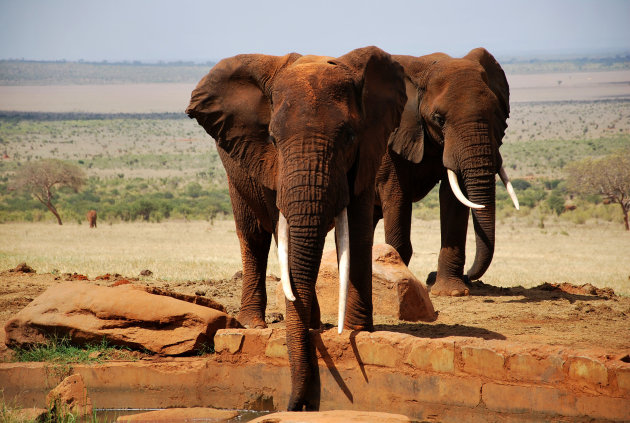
(20, 72)
(24, 72)
(582, 64)
(63, 116)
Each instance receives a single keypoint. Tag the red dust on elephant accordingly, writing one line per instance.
(301, 138)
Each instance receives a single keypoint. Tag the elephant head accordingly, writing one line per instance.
(309, 131)
(458, 107)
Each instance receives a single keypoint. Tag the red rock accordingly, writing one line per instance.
(336, 416)
(123, 315)
(70, 396)
(396, 292)
(120, 282)
(181, 415)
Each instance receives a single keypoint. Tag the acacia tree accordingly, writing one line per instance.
(43, 177)
(608, 176)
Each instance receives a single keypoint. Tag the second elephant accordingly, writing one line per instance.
(450, 131)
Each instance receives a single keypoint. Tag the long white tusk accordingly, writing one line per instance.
(342, 236)
(509, 187)
(452, 179)
(283, 257)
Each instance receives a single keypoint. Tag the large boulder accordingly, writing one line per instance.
(123, 315)
(396, 292)
(171, 415)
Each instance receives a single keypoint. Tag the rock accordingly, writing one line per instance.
(274, 317)
(336, 416)
(70, 396)
(170, 415)
(22, 268)
(124, 315)
(396, 292)
(121, 282)
(194, 299)
(146, 272)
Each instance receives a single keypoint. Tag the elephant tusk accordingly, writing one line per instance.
(342, 236)
(452, 179)
(283, 256)
(509, 187)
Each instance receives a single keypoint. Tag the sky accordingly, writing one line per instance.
(197, 30)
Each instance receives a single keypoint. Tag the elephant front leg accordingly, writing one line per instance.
(254, 242)
(359, 306)
(397, 223)
(453, 225)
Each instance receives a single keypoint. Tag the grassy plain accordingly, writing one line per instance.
(527, 255)
(551, 124)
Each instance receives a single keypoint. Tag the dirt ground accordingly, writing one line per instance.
(173, 97)
(552, 314)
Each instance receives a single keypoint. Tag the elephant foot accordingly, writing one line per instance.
(450, 288)
(251, 321)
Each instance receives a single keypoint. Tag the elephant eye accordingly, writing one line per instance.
(438, 119)
(349, 135)
(272, 139)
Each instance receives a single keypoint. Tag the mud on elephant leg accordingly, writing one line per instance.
(453, 224)
(254, 242)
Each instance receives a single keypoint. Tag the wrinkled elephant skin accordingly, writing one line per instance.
(450, 131)
(301, 139)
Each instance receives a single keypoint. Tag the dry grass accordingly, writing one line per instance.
(596, 253)
(526, 255)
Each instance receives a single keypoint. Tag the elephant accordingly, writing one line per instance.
(450, 130)
(91, 218)
(301, 139)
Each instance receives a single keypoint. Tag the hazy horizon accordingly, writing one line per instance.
(151, 31)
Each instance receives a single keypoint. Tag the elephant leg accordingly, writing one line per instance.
(300, 351)
(453, 225)
(360, 221)
(397, 221)
(378, 215)
(254, 242)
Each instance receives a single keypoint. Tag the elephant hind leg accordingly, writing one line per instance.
(254, 242)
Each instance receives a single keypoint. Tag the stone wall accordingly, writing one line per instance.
(446, 379)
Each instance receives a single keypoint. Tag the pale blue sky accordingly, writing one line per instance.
(152, 30)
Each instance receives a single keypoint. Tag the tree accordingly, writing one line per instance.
(608, 176)
(43, 177)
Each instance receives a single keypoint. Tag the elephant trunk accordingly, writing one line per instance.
(308, 201)
(484, 224)
(306, 243)
(478, 171)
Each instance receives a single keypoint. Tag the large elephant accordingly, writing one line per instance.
(301, 139)
(451, 130)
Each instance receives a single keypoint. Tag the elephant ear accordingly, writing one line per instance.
(233, 105)
(381, 83)
(499, 86)
(408, 139)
